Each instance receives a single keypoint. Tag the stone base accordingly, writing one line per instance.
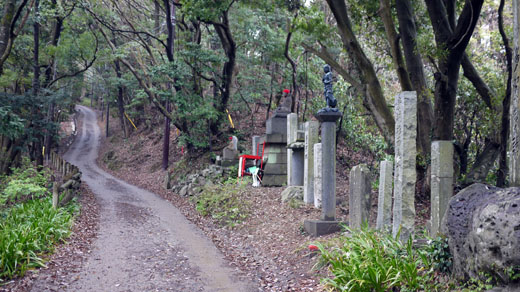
(320, 227)
(274, 180)
(228, 163)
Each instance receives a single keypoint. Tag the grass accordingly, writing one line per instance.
(29, 230)
(223, 202)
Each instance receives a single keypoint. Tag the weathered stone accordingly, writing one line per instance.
(405, 155)
(276, 125)
(184, 191)
(441, 182)
(317, 176)
(230, 154)
(167, 181)
(514, 146)
(359, 197)
(311, 138)
(384, 202)
(292, 192)
(256, 147)
(292, 127)
(482, 225)
(275, 138)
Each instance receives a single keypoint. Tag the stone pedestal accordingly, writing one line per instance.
(405, 112)
(514, 146)
(311, 138)
(317, 176)
(229, 157)
(384, 203)
(359, 196)
(328, 174)
(275, 170)
(441, 182)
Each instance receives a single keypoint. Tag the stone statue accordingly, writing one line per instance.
(285, 106)
(329, 96)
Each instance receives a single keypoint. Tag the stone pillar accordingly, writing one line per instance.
(359, 196)
(292, 128)
(311, 138)
(514, 147)
(384, 202)
(328, 223)
(296, 167)
(441, 182)
(405, 112)
(255, 144)
(317, 175)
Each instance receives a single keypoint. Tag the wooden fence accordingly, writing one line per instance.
(71, 179)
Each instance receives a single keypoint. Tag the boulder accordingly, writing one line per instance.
(482, 224)
(291, 192)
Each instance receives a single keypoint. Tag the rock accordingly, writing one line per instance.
(291, 192)
(483, 228)
(167, 181)
(184, 191)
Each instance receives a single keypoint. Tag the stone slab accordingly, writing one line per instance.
(274, 180)
(328, 116)
(311, 138)
(256, 147)
(296, 168)
(276, 125)
(442, 158)
(276, 138)
(317, 176)
(319, 227)
(359, 196)
(384, 203)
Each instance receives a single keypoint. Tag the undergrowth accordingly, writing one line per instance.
(366, 260)
(29, 225)
(223, 202)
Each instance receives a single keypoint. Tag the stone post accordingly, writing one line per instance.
(317, 175)
(442, 182)
(328, 223)
(384, 202)
(311, 138)
(514, 147)
(359, 197)
(292, 128)
(405, 155)
(254, 149)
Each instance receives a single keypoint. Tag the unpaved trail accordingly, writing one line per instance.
(144, 243)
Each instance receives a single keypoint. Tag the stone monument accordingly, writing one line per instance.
(384, 202)
(441, 182)
(311, 138)
(359, 196)
(317, 175)
(405, 112)
(514, 147)
(328, 117)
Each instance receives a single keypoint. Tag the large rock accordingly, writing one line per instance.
(483, 228)
(292, 192)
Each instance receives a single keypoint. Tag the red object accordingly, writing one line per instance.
(312, 247)
(230, 138)
(245, 157)
(286, 91)
(182, 150)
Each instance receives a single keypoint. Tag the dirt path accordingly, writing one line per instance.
(144, 243)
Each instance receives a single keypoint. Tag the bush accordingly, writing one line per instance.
(370, 261)
(223, 202)
(27, 230)
(23, 184)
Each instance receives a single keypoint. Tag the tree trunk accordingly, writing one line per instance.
(170, 50)
(375, 98)
(120, 102)
(455, 42)
(414, 64)
(503, 170)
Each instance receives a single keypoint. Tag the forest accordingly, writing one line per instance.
(205, 70)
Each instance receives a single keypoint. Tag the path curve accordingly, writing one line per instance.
(144, 243)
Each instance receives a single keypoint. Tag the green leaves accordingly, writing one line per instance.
(205, 10)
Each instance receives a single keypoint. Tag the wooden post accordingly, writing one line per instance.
(55, 195)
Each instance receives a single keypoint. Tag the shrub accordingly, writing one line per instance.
(23, 184)
(223, 202)
(29, 229)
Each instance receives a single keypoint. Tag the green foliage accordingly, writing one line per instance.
(224, 202)
(24, 183)
(439, 254)
(27, 230)
(369, 261)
